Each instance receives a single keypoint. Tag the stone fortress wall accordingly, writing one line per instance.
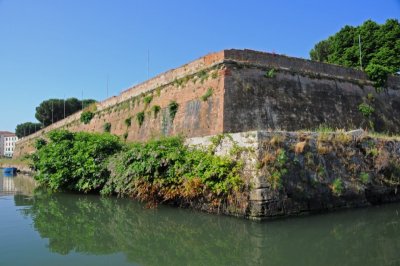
(185, 85)
(265, 102)
(302, 95)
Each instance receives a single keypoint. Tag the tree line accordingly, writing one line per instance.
(379, 46)
(51, 111)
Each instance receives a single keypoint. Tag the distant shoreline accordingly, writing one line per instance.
(22, 166)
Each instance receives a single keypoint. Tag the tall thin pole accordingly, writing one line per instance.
(359, 46)
(148, 63)
(52, 111)
(64, 106)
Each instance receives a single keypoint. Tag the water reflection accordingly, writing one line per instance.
(20, 184)
(92, 225)
(169, 236)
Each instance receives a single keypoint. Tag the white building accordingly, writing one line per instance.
(7, 143)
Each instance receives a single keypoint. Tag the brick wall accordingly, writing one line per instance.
(303, 94)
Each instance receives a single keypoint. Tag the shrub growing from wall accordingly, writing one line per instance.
(167, 170)
(74, 161)
(86, 117)
(107, 127)
(173, 109)
(162, 170)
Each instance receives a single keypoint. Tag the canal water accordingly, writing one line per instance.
(38, 228)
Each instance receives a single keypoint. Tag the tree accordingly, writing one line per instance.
(380, 46)
(320, 52)
(52, 110)
(27, 128)
(378, 74)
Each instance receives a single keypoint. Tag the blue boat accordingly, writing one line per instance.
(10, 171)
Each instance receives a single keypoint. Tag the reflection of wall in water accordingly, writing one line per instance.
(7, 184)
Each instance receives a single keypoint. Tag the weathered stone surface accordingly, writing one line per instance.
(262, 194)
(296, 100)
(356, 134)
(334, 170)
(331, 170)
(301, 95)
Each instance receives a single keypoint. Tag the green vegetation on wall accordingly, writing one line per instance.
(125, 136)
(86, 117)
(128, 121)
(166, 169)
(74, 161)
(278, 169)
(155, 109)
(157, 171)
(147, 99)
(214, 74)
(366, 109)
(182, 81)
(107, 127)
(202, 75)
(207, 95)
(173, 109)
(140, 118)
(337, 187)
(364, 177)
(270, 73)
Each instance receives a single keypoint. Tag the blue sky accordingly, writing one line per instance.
(57, 48)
